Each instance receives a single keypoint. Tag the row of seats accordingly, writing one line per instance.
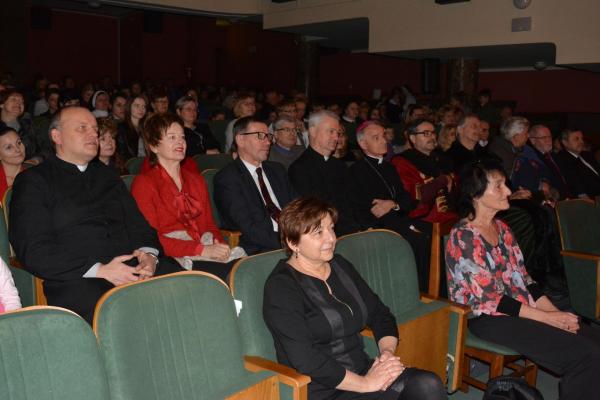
(178, 336)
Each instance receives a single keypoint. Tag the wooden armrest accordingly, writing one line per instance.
(233, 237)
(580, 254)
(287, 375)
(454, 307)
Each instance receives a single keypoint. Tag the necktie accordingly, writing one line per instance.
(271, 207)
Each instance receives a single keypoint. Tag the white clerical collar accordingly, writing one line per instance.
(250, 167)
(379, 159)
(81, 168)
(348, 119)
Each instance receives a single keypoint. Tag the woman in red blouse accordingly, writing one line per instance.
(175, 200)
(486, 271)
(12, 155)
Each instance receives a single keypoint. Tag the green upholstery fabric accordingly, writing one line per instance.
(128, 180)
(4, 244)
(579, 222)
(134, 165)
(582, 277)
(49, 354)
(212, 161)
(474, 341)
(218, 130)
(248, 282)
(174, 337)
(209, 176)
(386, 261)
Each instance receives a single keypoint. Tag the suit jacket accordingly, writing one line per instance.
(580, 179)
(241, 206)
(63, 221)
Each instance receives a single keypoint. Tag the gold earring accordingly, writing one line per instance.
(296, 252)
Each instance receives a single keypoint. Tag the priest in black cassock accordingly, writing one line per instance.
(317, 173)
(74, 224)
(380, 201)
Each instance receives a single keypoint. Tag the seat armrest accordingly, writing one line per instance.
(581, 255)
(287, 375)
(460, 309)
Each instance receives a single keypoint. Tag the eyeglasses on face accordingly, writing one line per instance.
(426, 133)
(259, 135)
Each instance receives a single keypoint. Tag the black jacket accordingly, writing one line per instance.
(580, 179)
(241, 206)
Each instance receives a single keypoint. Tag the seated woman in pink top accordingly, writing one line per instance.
(12, 155)
(9, 296)
(175, 200)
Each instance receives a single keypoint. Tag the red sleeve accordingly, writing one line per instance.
(145, 191)
(409, 175)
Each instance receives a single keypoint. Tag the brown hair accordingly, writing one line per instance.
(154, 128)
(106, 125)
(302, 216)
(239, 99)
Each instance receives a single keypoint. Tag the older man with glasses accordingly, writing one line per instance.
(285, 150)
(251, 191)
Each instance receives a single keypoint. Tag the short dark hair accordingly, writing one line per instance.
(5, 94)
(302, 216)
(473, 182)
(154, 128)
(241, 125)
(412, 128)
(565, 133)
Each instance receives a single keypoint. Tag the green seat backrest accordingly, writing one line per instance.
(49, 353)
(212, 161)
(247, 284)
(209, 177)
(134, 165)
(128, 180)
(173, 337)
(579, 223)
(218, 130)
(387, 263)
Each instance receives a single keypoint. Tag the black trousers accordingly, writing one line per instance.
(574, 356)
(219, 269)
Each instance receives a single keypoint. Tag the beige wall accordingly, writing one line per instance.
(397, 25)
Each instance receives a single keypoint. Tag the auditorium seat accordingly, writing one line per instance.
(176, 337)
(232, 237)
(134, 165)
(49, 353)
(579, 226)
(246, 281)
(430, 329)
(212, 161)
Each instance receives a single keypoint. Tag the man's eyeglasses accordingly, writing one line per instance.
(259, 135)
(426, 133)
(541, 137)
(287, 130)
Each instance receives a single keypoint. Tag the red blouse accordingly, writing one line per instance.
(167, 209)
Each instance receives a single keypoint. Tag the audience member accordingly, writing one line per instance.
(87, 91)
(540, 138)
(317, 173)
(485, 110)
(118, 105)
(484, 133)
(244, 106)
(198, 136)
(447, 136)
(100, 104)
(341, 149)
(12, 155)
(285, 150)
(159, 101)
(12, 109)
(74, 224)
(511, 142)
(465, 148)
(250, 191)
(486, 271)
(175, 200)
(107, 145)
(129, 140)
(41, 123)
(9, 295)
(579, 168)
(379, 199)
(314, 287)
(426, 174)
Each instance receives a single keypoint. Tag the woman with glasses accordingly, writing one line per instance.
(285, 150)
(175, 200)
(198, 136)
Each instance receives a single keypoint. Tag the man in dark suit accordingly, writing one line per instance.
(74, 224)
(251, 191)
(579, 168)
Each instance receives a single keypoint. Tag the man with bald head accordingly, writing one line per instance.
(74, 224)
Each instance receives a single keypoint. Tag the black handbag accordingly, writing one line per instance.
(511, 388)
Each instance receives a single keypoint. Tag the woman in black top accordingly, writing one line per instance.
(316, 304)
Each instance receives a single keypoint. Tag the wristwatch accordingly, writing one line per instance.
(396, 207)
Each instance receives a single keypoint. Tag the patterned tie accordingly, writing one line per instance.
(272, 209)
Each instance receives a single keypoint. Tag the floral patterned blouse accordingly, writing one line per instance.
(486, 277)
